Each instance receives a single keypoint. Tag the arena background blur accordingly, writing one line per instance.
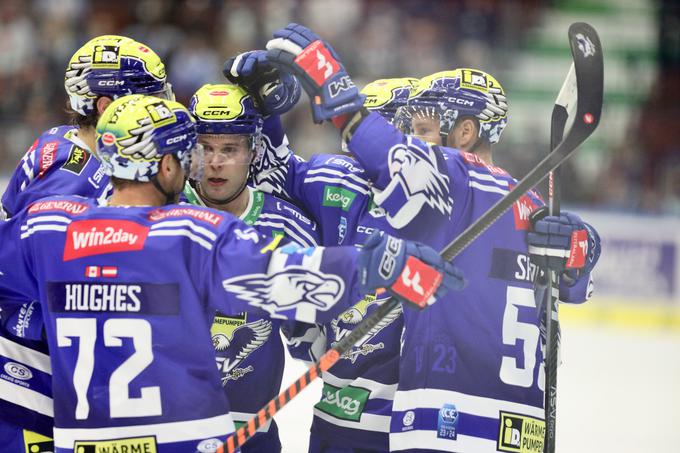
(621, 367)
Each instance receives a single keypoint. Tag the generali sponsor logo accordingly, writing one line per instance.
(476, 161)
(69, 207)
(100, 236)
(46, 157)
(198, 214)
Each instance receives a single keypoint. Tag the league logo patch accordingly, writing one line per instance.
(447, 422)
(293, 288)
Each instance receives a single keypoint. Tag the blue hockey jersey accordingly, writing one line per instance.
(356, 402)
(127, 296)
(57, 163)
(248, 346)
(471, 374)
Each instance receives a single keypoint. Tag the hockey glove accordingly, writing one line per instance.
(564, 244)
(299, 51)
(275, 92)
(411, 272)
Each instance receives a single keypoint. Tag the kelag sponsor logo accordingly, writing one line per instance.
(129, 445)
(338, 197)
(520, 433)
(96, 237)
(131, 297)
(346, 403)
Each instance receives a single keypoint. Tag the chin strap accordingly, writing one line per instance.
(170, 197)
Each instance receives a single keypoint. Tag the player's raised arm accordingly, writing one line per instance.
(315, 285)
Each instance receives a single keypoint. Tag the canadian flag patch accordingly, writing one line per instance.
(579, 249)
(417, 282)
(101, 271)
(318, 62)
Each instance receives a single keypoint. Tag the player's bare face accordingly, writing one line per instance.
(426, 128)
(227, 159)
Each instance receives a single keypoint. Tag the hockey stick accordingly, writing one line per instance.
(564, 105)
(588, 75)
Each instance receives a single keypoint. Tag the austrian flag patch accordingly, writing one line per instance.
(101, 271)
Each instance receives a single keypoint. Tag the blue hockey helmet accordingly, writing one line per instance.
(449, 95)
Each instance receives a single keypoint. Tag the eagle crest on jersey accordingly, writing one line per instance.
(416, 180)
(301, 288)
(234, 340)
(113, 66)
(349, 319)
(134, 133)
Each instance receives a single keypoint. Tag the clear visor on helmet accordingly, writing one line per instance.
(422, 121)
(193, 162)
(166, 93)
(227, 149)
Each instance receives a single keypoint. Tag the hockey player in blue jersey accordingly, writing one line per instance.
(248, 346)
(128, 290)
(61, 161)
(471, 369)
(334, 190)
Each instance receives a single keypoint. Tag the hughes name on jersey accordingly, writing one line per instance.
(357, 395)
(57, 163)
(248, 346)
(128, 294)
(471, 375)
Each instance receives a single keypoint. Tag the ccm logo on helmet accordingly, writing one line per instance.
(110, 83)
(177, 139)
(216, 112)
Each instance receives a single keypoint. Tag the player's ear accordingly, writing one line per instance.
(464, 134)
(102, 103)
